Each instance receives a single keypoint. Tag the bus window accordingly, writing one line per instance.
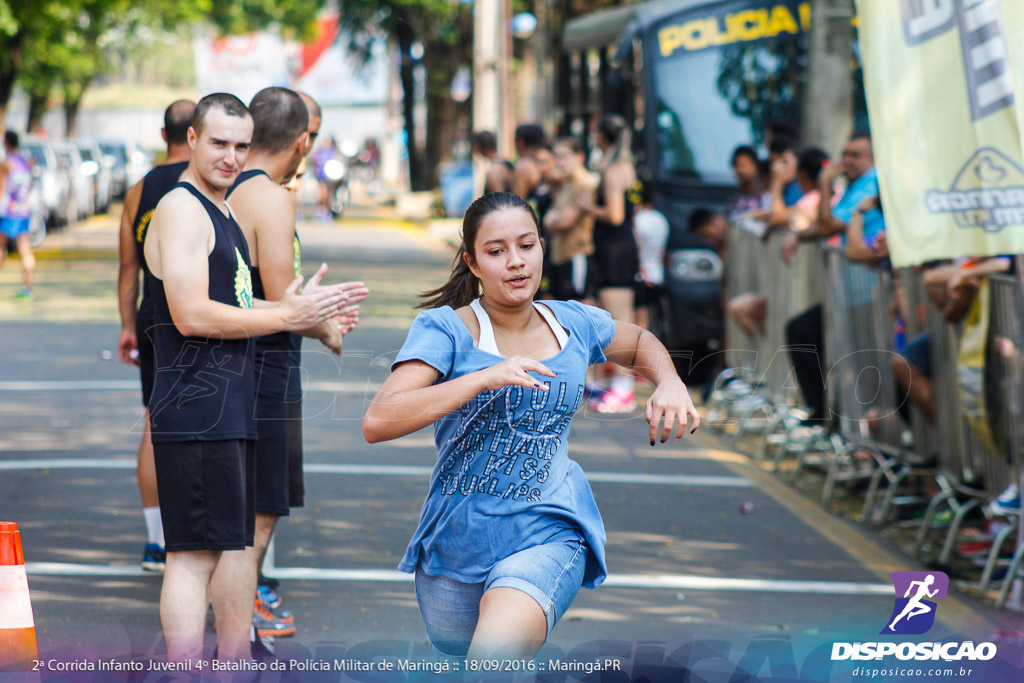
(710, 100)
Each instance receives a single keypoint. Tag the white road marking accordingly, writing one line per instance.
(133, 385)
(385, 471)
(645, 581)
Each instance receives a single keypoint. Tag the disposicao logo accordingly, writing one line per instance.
(917, 596)
(914, 612)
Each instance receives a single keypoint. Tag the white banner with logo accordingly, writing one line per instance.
(946, 117)
(242, 65)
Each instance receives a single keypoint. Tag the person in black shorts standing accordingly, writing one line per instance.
(201, 410)
(135, 346)
(616, 258)
(266, 213)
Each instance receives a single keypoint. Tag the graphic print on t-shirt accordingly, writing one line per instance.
(518, 441)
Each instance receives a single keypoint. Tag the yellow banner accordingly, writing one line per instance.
(945, 123)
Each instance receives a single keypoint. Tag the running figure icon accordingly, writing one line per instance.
(915, 606)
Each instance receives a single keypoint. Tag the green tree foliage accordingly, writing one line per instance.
(61, 46)
(445, 30)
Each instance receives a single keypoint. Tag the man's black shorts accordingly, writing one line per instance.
(278, 455)
(207, 494)
(296, 482)
(147, 364)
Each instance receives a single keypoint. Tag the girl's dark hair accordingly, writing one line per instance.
(462, 286)
(811, 161)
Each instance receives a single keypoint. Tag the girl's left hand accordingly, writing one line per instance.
(671, 402)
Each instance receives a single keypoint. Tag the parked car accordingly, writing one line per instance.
(102, 179)
(81, 179)
(52, 181)
(129, 164)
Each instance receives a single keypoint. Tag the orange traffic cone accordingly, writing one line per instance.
(18, 646)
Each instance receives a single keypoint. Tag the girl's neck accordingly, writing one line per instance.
(514, 318)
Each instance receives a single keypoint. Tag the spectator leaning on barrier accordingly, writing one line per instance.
(784, 188)
(804, 333)
(741, 210)
(951, 289)
(747, 169)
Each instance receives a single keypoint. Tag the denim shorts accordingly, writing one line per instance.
(551, 574)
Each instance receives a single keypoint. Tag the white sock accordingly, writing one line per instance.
(154, 526)
(622, 384)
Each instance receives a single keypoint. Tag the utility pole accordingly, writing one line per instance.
(492, 46)
(492, 42)
(828, 93)
(543, 44)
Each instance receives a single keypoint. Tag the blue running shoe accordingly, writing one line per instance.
(154, 558)
(269, 597)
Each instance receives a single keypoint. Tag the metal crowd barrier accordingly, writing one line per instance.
(860, 349)
(755, 265)
(861, 384)
(972, 472)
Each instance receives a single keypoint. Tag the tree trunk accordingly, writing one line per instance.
(828, 108)
(71, 117)
(9, 67)
(441, 113)
(37, 103)
(73, 95)
(405, 36)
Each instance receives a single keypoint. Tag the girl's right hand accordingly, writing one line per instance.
(514, 372)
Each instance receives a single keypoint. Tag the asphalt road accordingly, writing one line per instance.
(696, 583)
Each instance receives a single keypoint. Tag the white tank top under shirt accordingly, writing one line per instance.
(487, 342)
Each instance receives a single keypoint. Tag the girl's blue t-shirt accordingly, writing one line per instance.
(503, 481)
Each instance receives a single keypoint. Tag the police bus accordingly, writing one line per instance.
(695, 79)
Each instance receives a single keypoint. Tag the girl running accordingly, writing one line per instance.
(509, 530)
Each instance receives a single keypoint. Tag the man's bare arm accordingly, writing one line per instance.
(185, 236)
(128, 274)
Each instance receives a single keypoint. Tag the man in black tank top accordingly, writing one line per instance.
(134, 346)
(266, 213)
(201, 410)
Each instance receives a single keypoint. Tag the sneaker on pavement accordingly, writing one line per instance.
(154, 558)
(614, 402)
(280, 614)
(267, 623)
(23, 293)
(269, 597)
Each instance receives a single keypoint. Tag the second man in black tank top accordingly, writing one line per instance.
(266, 214)
(201, 410)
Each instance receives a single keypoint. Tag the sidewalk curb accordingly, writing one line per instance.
(73, 254)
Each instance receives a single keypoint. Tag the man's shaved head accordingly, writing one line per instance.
(177, 119)
(279, 118)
